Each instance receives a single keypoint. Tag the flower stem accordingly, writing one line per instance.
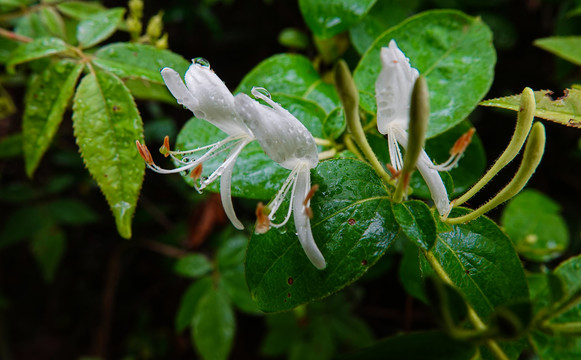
(533, 153)
(350, 99)
(524, 122)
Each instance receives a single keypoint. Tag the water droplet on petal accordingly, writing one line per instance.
(202, 62)
(262, 91)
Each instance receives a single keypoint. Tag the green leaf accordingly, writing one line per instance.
(7, 46)
(31, 25)
(383, 15)
(327, 18)
(22, 224)
(213, 326)
(11, 146)
(107, 124)
(452, 50)
(36, 49)
(233, 283)
(255, 176)
(291, 75)
(481, 262)
(46, 101)
(334, 124)
(417, 222)
(190, 300)
(80, 10)
(433, 345)
(532, 221)
(410, 274)
(193, 266)
(353, 226)
(563, 110)
(47, 247)
(98, 27)
(144, 90)
(53, 21)
(139, 61)
(565, 47)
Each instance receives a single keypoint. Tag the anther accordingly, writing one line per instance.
(262, 220)
(165, 149)
(144, 152)
(394, 172)
(462, 143)
(310, 195)
(196, 172)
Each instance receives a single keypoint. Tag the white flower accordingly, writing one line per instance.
(285, 140)
(393, 90)
(209, 99)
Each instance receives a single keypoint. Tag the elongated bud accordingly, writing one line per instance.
(155, 26)
(418, 126)
(161, 43)
(134, 27)
(524, 121)
(349, 96)
(532, 155)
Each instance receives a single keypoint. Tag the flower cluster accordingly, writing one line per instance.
(283, 138)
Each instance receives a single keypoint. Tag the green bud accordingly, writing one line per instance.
(136, 8)
(134, 27)
(526, 115)
(534, 149)
(418, 126)
(161, 43)
(155, 26)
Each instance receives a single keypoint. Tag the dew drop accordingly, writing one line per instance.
(202, 62)
(186, 159)
(262, 91)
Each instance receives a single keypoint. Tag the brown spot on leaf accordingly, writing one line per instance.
(290, 280)
(288, 295)
(364, 262)
(351, 221)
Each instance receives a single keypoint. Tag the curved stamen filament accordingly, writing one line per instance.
(281, 195)
(456, 152)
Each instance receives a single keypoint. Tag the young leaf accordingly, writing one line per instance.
(564, 110)
(452, 50)
(53, 21)
(107, 124)
(98, 27)
(213, 326)
(193, 266)
(532, 221)
(48, 246)
(37, 49)
(46, 101)
(291, 75)
(327, 18)
(138, 61)
(190, 300)
(565, 47)
(481, 262)
(353, 226)
(255, 176)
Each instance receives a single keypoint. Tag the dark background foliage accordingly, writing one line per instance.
(114, 298)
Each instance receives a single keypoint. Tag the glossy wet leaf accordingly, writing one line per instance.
(47, 99)
(48, 246)
(80, 10)
(334, 124)
(139, 61)
(434, 345)
(190, 300)
(291, 75)
(255, 175)
(383, 15)
(452, 50)
(107, 124)
(417, 222)
(37, 49)
(353, 226)
(533, 222)
(481, 262)
(564, 110)
(565, 47)
(327, 18)
(99, 26)
(213, 326)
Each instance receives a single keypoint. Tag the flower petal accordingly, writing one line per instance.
(178, 89)
(302, 222)
(435, 184)
(226, 183)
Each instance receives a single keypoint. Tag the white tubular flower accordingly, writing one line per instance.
(393, 90)
(209, 99)
(285, 140)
